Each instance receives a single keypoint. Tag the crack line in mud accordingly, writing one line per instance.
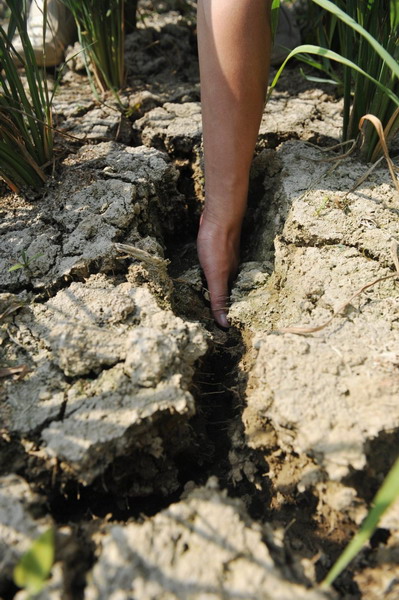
(331, 243)
(219, 389)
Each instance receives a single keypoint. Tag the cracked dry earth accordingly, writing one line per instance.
(175, 460)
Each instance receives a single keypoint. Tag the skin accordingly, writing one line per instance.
(234, 52)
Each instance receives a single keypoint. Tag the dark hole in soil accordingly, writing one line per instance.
(346, 587)
(379, 460)
(380, 536)
(79, 504)
(8, 590)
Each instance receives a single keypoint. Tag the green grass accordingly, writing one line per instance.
(366, 34)
(35, 565)
(26, 135)
(275, 9)
(101, 30)
(385, 497)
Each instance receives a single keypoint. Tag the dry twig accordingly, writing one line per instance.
(142, 255)
(10, 309)
(335, 147)
(14, 372)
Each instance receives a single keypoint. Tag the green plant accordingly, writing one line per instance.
(368, 41)
(101, 31)
(386, 495)
(275, 9)
(323, 205)
(26, 135)
(25, 261)
(35, 565)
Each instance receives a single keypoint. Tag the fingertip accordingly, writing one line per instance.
(222, 320)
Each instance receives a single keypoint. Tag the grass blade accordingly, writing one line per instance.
(386, 495)
(330, 54)
(274, 14)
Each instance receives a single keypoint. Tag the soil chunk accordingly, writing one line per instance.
(202, 547)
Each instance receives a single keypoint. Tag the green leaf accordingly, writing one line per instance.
(274, 14)
(395, 14)
(311, 49)
(319, 79)
(386, 495)
(35, 565)
(36, 256)
(15, 267)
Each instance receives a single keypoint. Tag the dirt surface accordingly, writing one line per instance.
(176, 460)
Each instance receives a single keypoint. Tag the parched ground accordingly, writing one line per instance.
(173, 459)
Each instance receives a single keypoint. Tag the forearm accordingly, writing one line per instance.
(234, 49)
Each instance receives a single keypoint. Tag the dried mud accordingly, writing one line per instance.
(173, 459)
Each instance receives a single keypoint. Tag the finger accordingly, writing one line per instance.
(218, 291)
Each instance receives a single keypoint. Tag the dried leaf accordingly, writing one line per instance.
(378, 126)
(142, 255)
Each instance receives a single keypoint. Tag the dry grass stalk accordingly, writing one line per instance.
(15, 372)
(378, 127)
(335, 147)
(10, 309)
(141, 255)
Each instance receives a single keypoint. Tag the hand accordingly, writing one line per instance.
(218, 247)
